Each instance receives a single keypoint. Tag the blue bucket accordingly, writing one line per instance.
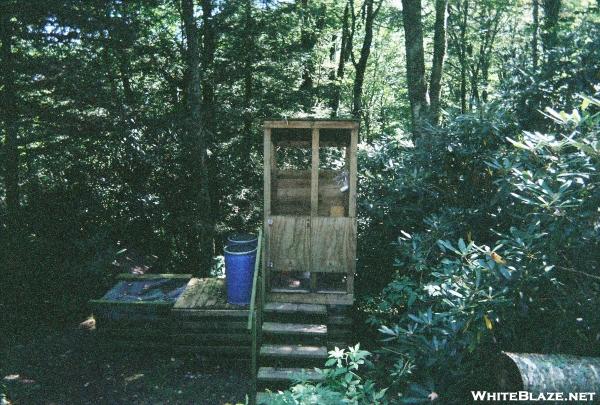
(242, 239)
(239, 272)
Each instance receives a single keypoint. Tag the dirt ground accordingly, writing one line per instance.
(70, 367)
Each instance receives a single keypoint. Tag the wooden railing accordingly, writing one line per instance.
(255, 280)
(255, 314)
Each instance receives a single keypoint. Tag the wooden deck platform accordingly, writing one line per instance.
(199, 321)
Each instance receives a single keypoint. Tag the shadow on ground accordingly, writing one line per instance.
(71, 367)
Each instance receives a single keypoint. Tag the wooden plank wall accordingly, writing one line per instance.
(211, 332)
(333, 242)
(290, 250)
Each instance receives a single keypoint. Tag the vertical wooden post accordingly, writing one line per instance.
(314, 181)
(314, 191)
(353, 174)
(352, 198)
(267, 172)
(268, 148)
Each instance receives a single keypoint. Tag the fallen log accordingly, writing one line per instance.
(543, 373)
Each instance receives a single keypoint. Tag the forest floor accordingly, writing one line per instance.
(69, 367)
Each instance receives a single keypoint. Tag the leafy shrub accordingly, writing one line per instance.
(343, 383)
(453, 305)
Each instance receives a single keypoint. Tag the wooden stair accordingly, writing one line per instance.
(285, 374)
(294, 342)
(291, 352)
(294, 309)
(294, 329)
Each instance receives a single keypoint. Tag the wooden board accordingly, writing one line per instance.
(348, 124)
(353, 172)
(289, 248)
(313, 298)
(314, 170)
(267, 171)
(333, 243)
(134, 277)
(205, 293)
(295, 329)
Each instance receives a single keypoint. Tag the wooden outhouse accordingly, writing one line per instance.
(310, 210)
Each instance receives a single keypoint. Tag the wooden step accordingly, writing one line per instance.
(296, 329)
(291, 308)
(284, 374)
(294, 351)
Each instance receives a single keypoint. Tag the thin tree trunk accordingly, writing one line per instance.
(332, 69)
(549, 34)
(10, 118)
(437, 65)
(551, 17)
(248, 70)
(305, 43)
(486, 61)
(534, 34)
(415, 65)
(463, 57)
(361, 65)
(208, 96)
(208, 59)
(202, 250)
(344, 52)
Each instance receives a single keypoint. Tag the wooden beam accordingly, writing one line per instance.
(268, 169)
(353, 173)
(209, 313)
(267, 172)
(133, 277)
(292, 143)
(311, 124)
(313, 298)
(131, 304)
(314, 170)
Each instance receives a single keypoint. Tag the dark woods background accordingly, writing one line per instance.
(137, 125)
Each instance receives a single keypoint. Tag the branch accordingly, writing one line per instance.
(579, 272)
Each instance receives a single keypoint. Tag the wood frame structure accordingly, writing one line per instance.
(309, 221)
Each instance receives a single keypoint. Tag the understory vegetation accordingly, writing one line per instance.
(134, 129)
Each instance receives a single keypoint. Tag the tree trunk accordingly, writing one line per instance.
(487, 55)
(463, 57)
(551, 17)
(208, 59)
(549, 35)
(345, 48)
(545, 373)
(437, 65)
(202, 230)
(306, 45)
(361, 65)
(415, 65)
(534, 34)
(10, 118)
(248, 70)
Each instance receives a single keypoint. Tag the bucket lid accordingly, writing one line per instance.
(241, 249)
(242, 238)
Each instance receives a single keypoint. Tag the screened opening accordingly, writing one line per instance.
(286, 281)
(290, 175)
